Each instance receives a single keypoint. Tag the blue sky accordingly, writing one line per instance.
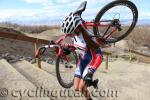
(35, 10)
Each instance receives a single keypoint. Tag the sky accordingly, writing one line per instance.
(42, 10)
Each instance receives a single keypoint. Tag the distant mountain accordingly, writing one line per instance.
(56, 21)
(36, 21)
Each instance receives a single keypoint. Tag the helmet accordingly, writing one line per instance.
(70, 23)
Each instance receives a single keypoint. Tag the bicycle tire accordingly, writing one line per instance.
(126, 3)
(62, 82)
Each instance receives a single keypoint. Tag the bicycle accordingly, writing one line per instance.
(107, 26)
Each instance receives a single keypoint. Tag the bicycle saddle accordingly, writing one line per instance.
(81, 8)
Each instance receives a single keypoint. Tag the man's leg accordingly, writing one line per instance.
(83, 89)
(76, 83)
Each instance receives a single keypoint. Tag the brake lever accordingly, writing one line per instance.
(51, 42)
(42, 50)
(39, 51)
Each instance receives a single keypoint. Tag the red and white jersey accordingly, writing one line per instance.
(79, 41)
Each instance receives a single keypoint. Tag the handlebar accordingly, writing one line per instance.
(42, 49)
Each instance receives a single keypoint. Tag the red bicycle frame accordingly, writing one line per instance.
(100, 24)
(91, 23)
(58, 43)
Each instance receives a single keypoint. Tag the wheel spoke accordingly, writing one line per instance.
(125, 12)
(65, 70)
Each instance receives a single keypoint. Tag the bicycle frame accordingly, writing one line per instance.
(57, 44)
(104, 32)
(91, 23)
(99, 24)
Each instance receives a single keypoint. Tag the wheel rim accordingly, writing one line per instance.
(126, 16)
(66, 71)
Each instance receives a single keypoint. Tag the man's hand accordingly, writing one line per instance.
(51, 42)
(66, 51)
(89, 81)
(71, 47)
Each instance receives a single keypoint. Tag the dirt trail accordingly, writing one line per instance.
(130, 80)
(13, 85)
(122, 81)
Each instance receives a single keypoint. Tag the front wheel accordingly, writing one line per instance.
(121, 15)
(65, 69)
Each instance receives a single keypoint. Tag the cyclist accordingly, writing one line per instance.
(90, 56)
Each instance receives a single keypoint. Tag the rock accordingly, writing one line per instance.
(1, 57)
(122, 44)
(49, 61)
(15, 58)
(33, 61)
(5, 54)
(22, 58)
(143, 48)
(13, 61)
(43, 59)
(12, 58)
(28, 59)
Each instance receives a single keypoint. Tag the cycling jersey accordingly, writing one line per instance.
(89, 60)
(80, 43)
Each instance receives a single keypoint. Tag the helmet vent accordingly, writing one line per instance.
(68, 30)
(72, 29)
(65, 30)
(76, 22)
(67, 24)
(66, 19)
(70, 18)
(63, 25)
(70, 23)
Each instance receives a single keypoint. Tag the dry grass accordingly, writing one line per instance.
(34, 29)
(140, 36)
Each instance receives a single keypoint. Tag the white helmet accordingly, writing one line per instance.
(70, 23)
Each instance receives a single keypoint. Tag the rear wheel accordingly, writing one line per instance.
(122, 15)
(65, 70)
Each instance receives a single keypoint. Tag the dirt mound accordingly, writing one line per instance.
(10, 30)
(126, 44)
(51, 34)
